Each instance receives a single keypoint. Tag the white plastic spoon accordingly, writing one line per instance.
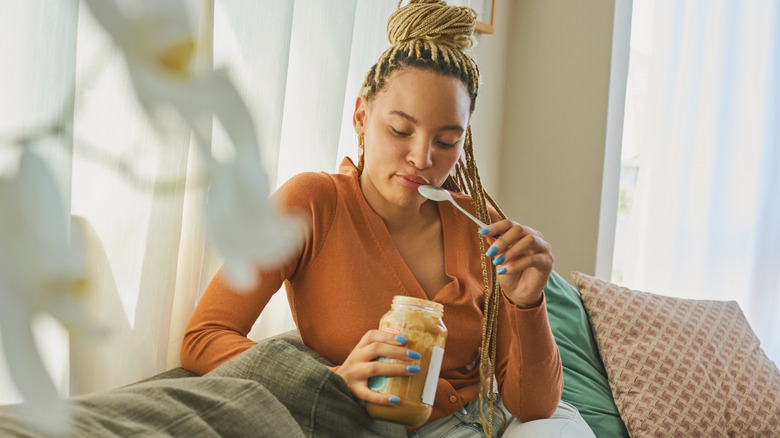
(439, 194)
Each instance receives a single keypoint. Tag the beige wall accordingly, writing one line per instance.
(540, 127)
(488, 122)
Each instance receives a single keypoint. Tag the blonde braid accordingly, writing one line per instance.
(429, 34)
(467, 180)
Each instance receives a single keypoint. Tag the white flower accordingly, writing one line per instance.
(159, 46)
(40, 271)
(158, 43)
(242, 224)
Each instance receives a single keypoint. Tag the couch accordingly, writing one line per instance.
(642, 364)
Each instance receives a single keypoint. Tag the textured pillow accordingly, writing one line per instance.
(585, 383)
(682, 367)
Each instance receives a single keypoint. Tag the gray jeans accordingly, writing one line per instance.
(324, 406)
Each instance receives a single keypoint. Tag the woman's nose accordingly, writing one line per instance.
(420, 154)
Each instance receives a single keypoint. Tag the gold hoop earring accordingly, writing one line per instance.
(361, 152)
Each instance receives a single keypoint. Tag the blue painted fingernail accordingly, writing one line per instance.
(413, 354)
(492, 251)
(501, 271)
(413, 369)
(499, 260)
(395, 400)
(400, 339)
(484, 231)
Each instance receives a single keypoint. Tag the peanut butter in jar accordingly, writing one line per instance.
(419, 321)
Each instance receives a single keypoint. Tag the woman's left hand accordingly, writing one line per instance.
(523, 261)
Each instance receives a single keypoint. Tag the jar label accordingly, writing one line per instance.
(432, 379)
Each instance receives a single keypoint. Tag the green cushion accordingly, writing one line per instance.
(585, 383)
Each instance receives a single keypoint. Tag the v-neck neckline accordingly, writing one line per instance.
(386, 246)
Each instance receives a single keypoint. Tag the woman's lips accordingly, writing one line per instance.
(411, 181)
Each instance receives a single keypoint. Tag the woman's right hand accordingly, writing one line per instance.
(361, 364)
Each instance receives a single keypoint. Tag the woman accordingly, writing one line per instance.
(374, 236)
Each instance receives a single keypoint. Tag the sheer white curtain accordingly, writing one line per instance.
(34, 34)
(700, 211)
(298, 64)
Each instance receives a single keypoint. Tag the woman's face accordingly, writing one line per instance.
(414, 130)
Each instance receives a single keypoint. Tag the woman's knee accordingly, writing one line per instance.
(566, 422)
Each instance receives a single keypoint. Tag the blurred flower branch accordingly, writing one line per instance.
(42, 264)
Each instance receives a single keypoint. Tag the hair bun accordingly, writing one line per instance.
(433, 20)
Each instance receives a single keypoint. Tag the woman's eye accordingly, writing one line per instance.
(400, 133)
(447, 145)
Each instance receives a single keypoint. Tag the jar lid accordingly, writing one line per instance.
(420, 303)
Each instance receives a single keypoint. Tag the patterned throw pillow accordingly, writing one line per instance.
(681, 367)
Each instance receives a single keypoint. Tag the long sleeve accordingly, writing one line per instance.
(218, 328)
(217, 331)
(528, 366)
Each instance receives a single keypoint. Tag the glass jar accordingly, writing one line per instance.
(419, 321)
